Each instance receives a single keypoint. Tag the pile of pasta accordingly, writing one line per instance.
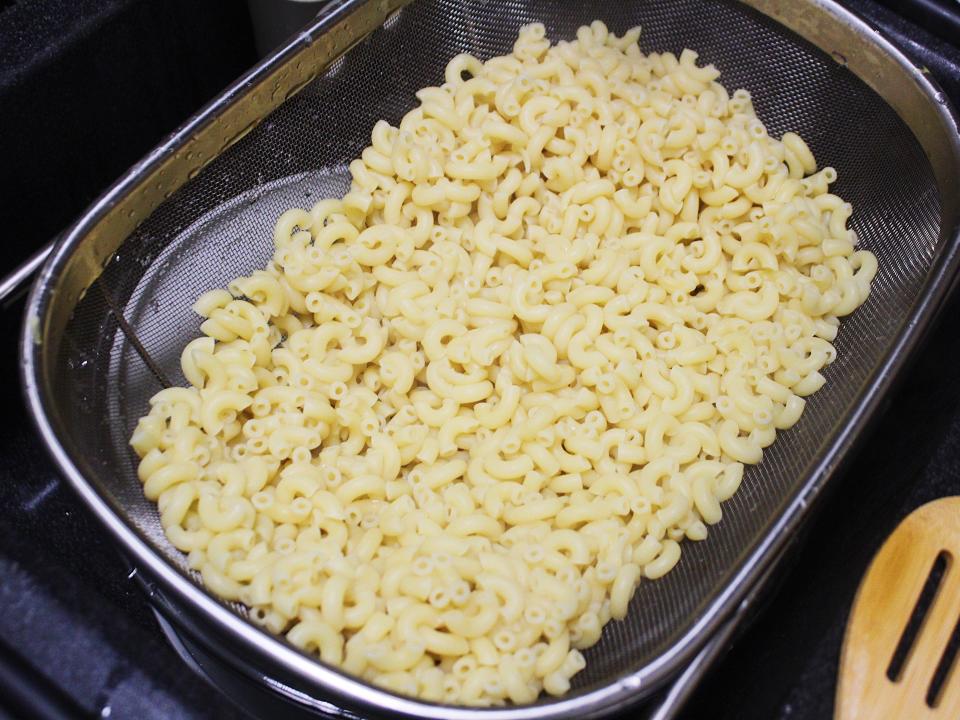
(469, 406)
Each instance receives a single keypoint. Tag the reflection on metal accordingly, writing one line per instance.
(14, 284)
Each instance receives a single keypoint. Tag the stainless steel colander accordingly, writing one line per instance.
(111, 312)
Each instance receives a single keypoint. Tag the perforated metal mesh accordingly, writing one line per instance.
(220, 224)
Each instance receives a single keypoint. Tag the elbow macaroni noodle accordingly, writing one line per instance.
(467, 408)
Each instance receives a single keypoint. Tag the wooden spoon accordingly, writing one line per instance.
(887, 621)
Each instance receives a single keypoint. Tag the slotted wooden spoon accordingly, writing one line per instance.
(892, 649)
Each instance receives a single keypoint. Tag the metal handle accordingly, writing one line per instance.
(17, 280)
(687, 682)
(682, 689)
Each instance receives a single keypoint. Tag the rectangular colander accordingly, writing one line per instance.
(109, 316)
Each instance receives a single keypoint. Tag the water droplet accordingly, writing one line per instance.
(392, 20)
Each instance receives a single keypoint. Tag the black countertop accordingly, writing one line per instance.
(76, 630)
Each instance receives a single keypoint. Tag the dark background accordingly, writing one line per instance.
(86, 88)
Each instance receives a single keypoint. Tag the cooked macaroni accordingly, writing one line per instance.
(469, 406)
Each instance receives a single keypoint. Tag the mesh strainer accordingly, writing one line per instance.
(199, 211)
